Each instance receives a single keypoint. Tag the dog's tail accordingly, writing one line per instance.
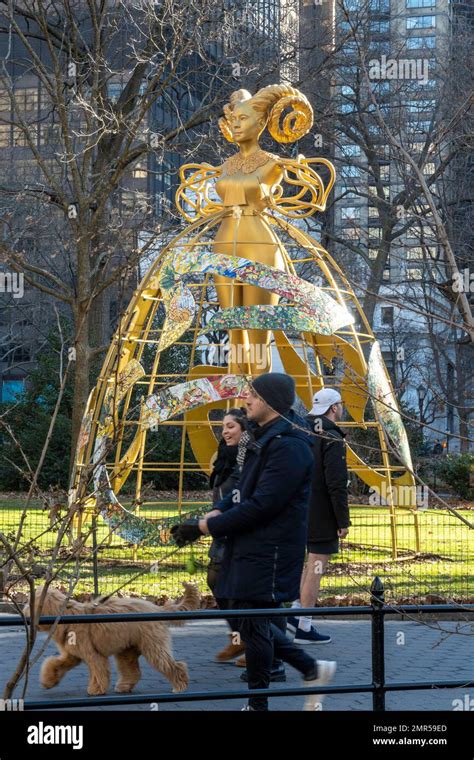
(191, 600)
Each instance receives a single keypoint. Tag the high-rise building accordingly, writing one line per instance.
(387, 79)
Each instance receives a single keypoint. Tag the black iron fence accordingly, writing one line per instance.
(377, 610)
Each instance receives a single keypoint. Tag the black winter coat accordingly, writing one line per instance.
(265, 518)
(329, 509)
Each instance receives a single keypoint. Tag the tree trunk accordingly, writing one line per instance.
(81, 377)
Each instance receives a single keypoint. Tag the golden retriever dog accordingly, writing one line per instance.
(94, 643)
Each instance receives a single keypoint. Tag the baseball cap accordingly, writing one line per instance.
(323, 399)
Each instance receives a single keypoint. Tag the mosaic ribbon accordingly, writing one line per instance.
(289, 319)
(159, 407)
(386, 406)
(179, 399)
(329, 314)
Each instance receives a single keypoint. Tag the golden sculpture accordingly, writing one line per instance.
(241, 248)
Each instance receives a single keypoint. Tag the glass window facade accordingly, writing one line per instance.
(421, 22)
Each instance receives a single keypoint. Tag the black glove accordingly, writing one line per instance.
(186, 533)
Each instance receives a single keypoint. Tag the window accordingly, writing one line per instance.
(414, 273)
(351, 233)
(423, 104)
(384, 173)
(5, 135)
(387, 315)
(420, 3)
(350, 171)
(382, 89)
(386, 275)
(378, 47)
(421, 22)
(373, 212)
(113, 90)
(375, 233)
(19, 137)
(347, 93)
(429, 169)
(420, 126)
(415, 253)
(373, 191)
(350, 150)
(140, 170)
(350, 213)
(5, 103)
(26, 98)
(49, 133)
(379, 27)
(413, 43)
(373, 253)
(45, 99)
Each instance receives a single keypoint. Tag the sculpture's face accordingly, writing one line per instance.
(245, 123)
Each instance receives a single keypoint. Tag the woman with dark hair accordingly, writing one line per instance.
(224, 477)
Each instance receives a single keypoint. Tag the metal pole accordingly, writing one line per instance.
(95, 562)
(378, 645)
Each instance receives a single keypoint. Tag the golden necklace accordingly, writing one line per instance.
(247, 165)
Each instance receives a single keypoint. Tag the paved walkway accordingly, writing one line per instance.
(414, 652)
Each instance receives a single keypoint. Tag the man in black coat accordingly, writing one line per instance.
(265, 521)
(329, 510)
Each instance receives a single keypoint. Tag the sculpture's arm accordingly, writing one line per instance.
(192, 196)
(310, 191)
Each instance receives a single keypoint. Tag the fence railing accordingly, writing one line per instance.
(377, 610)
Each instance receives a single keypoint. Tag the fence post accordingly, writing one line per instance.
(378, 645)
(95, 561)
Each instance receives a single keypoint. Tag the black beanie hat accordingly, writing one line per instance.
(277, 389)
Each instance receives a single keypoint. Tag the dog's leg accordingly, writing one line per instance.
(129, 670)
(54, 668)
(99, 674)
(161, 659)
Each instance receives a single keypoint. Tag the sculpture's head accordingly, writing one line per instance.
(246, 116)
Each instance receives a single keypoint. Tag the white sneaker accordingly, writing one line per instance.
(325, 673)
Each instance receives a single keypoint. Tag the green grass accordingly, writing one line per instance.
(444, 566)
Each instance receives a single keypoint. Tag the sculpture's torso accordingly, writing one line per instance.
(248, 182)
(248, 185)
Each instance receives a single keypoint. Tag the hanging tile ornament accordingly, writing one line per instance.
(180, 308)
(386, 405)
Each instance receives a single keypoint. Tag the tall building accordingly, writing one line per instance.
(395, 72)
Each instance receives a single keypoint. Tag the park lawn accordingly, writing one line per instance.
(445, 565)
